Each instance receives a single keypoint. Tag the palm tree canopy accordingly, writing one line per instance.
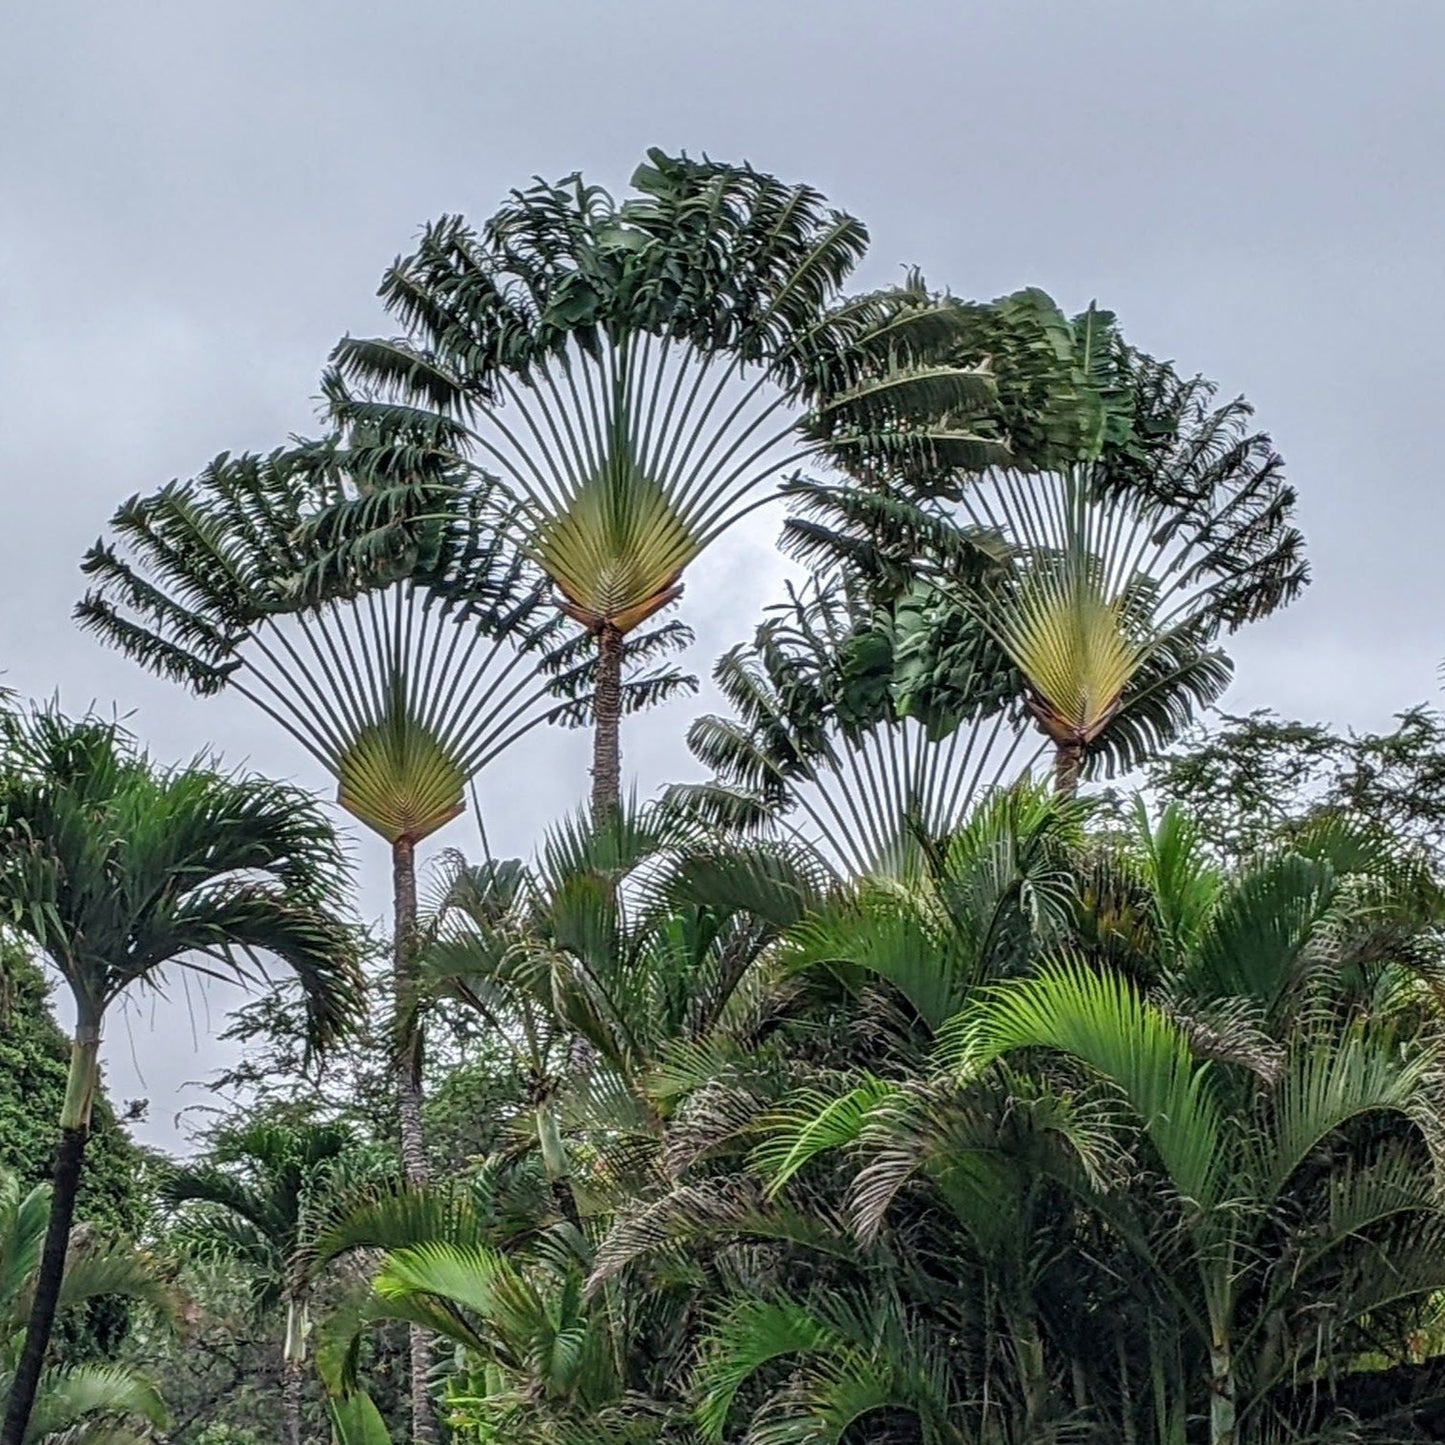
(1135, 520)
(258, 1193)
(114, 869)
(875, 724)
(632, 369)
(402, 668)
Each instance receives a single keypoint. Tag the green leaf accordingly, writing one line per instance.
(356, 1421)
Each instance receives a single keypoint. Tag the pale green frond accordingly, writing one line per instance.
(617, 550)
(467, 1276)
(23, 1218)
(97, 1271)
(1104, 1022)
(690, 1216)
(813, 1123)
(888, 933)
(1327, 1084)
(746, 1337)
(1071, 640)
(391, 1219)
(1183, 880)
(68, 1396)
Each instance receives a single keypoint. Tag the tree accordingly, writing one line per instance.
(1249, 782)
(878, 723)
(115, 870)
(33, 1064)
(80, 1403)
(624, 940)
(1133, 522)
(403, 668)
(1270, 1205)
(543, 1363)
(254, 1201)
(642, 373)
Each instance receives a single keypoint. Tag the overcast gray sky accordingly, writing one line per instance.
(197, 199)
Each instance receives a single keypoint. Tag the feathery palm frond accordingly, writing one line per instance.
(402, 670)
(116, 869)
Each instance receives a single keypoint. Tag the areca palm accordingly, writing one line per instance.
(255, 1201)
(626, 939)
(642, 373)
(543, 1363)
(1278, 1196)
(78, 1404)
(403, 670)
(115, 870)
(988, 897)
(1293, 1233)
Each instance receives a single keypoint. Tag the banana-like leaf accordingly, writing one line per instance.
(355, 1420)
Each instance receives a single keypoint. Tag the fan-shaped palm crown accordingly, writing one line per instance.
(402, 671)
(638, 371)
(1135, 520)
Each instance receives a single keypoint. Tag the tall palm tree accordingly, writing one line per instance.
(79, 1404)
(115, 870)
(1134, 521)
(255, 1201)
(403, 669)
(643, 373)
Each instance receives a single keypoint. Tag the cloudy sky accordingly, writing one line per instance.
(197, 199)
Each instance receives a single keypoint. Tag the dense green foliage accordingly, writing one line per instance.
(33, 1059)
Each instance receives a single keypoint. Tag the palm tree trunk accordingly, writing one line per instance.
(1221, 1396)
(407, 1043)
(291, 1401)
(607, 724)
(407, 1046)
(69, 1161)
(293, 1366)
(554, 1164)
(1068, 764)
(1033, 1370)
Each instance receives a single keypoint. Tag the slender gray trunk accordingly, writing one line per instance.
(293, 1363)
(1221, 1396)
(291, 1401)
(407, 1049)
(607, 724)
(1068, 764)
